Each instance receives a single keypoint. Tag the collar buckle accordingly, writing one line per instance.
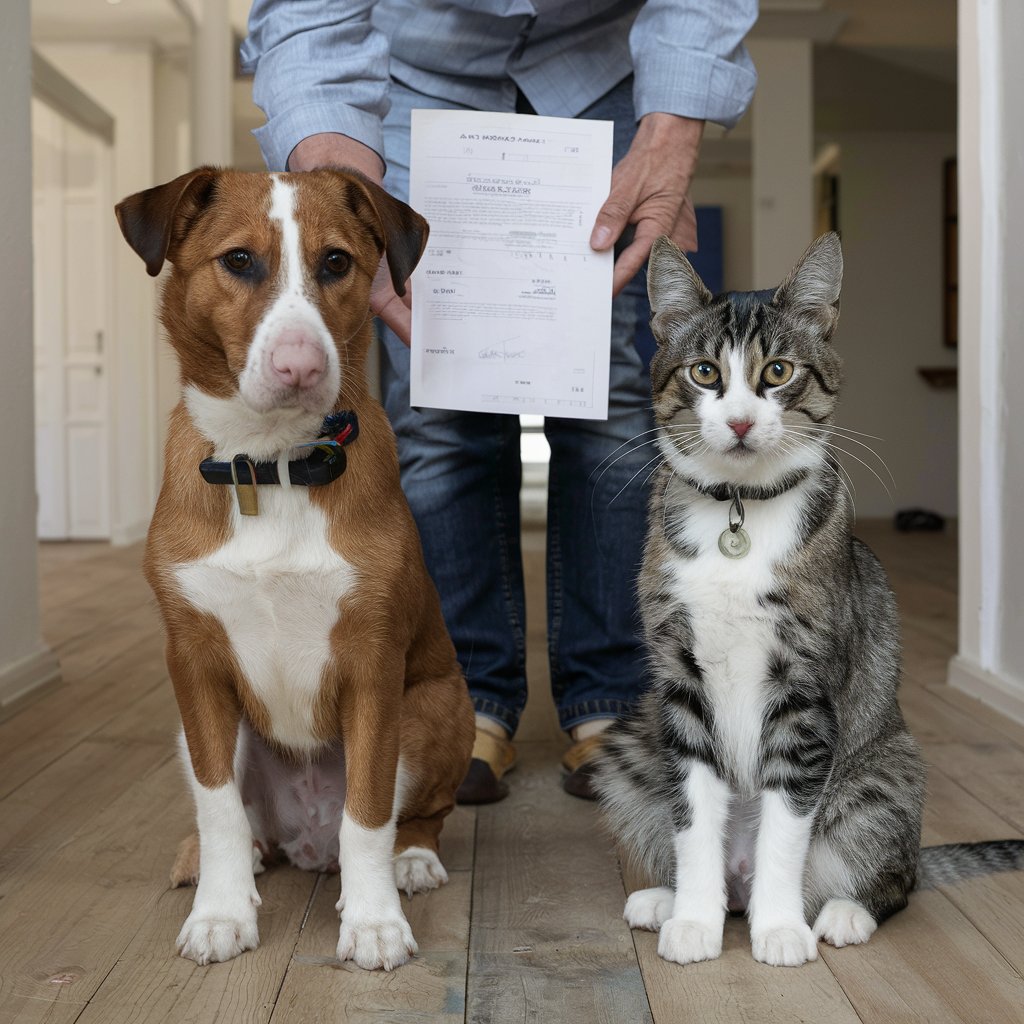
(245, 493)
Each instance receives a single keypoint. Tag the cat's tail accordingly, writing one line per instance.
(954, 862)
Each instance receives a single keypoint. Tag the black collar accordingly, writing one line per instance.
(726, 492)
(325, 463)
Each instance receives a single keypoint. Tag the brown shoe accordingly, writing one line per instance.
(492, 758)
(580, 761)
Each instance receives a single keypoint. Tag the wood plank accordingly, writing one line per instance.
(431, 987)
(70, 913)
(151, 983)
(547, 941)
(928, 963)
(993, 904)
(986, 716)
(982, 761)
(736, 988)
(71, 581)
(53, 725)
(98, 609)
(53, 807)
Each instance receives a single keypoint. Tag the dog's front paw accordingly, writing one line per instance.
(649, 908)
(784, 947)
(385, 942)
(418, 869)
(208, 939)
(687, 942)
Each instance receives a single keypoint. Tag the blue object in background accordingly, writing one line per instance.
(707, 261)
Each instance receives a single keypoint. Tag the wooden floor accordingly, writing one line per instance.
(92, 804)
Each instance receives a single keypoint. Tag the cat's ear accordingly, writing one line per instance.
(673, 286)
(814, 284)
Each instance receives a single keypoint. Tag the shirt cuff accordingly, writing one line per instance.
(284, 131)
(694, 84)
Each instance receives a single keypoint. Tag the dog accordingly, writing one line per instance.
(325, 717)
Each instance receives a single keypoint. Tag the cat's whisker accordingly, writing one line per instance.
(836, 467)
(652, 462)
(820, 434)
(838, 448)
(828, 428)
(612, 458)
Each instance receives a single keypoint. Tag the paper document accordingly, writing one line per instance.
(511, 306)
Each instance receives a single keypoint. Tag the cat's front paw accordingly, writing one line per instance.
(844, 923)
(649, 908)
(784, 947)
(687, 942)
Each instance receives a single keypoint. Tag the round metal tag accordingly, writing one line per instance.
(734, 545)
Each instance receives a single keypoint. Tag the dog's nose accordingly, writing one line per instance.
(297, 360)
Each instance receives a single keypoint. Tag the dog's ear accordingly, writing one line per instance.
(153, 220)
(405, 231)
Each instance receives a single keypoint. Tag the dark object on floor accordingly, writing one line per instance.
(580, 761)
(911, 519)
(481, 785)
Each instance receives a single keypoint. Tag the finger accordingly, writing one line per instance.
(398, 316)
(684, 233)
(613, 216)
(632, 258)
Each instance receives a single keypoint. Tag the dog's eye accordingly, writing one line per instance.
(238, 260)
(337, 262)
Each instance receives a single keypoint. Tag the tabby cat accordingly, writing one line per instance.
(768, 767)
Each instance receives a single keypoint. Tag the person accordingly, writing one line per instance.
(337, 81)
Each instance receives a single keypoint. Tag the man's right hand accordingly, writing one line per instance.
(331, 149)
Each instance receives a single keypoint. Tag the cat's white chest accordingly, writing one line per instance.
(275, 586)
(733, 625)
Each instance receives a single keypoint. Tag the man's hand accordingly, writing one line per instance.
(649, 190)
(333, 150)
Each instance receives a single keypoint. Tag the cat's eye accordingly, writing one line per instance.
(238, 261)
(705, 374)
(777, 372)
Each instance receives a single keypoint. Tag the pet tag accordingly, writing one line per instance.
(734, 543)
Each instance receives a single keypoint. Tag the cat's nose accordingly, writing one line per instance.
(740, 427)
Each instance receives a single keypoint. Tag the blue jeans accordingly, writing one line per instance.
(461, 472)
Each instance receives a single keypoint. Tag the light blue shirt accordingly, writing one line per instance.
(325, 65)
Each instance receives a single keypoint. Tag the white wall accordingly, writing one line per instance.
(890, 218)
(172, 156)
(120, 78)
(25, 661)
(990, 660)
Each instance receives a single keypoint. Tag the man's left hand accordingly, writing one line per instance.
(650, 186)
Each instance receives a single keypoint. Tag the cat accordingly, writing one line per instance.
(768, 766)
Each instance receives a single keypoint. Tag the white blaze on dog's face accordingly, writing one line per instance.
(268, 303)
(292, 360)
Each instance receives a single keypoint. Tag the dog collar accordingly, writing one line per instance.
(324, 464)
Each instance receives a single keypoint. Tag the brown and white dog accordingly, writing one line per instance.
(325, 716)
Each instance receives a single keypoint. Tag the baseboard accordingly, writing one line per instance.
(27, 680)
(1005, 695)
(122, 536)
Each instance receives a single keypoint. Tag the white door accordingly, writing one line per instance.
(71, 186)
